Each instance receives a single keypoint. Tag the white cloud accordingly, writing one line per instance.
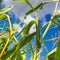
(58, 11)
(15, 25)
(28, 19)
(7, 2)
(44, 22)
(33, 29)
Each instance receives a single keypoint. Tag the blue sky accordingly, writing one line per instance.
(44, 15)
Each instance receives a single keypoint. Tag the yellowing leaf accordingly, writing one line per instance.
(4, 10)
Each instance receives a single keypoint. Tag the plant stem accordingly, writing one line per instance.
(31, 45)
(38, 43)
(10, 24)
(52, 39)
(10, 33)
(15, 39)
(3, 50)
(45, 48)
(50, 21)
(27, 50)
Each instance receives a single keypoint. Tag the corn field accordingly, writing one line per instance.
(15, 45)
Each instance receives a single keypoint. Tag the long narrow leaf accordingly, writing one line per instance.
(5, 34)
(4, 10)
(23, 42)
(58, 51)
(38, 43)
(39, 7)
(25, 1)
(26, 28)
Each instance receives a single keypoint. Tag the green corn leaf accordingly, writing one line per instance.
(31, 47)
(1, 44)
(30, 25)
(35, 56)
(4, 10)
(0, 0)
(20, 0)
(39, 7)
(1, 41)
(28, 50)
(8, 54)
(26, 29)
(38, 43)
(10, 24)
(5, 34)
(20, 56)
(25, 41)
(58, 51)
(25, 1)
(20, 44)
(56, 23)
(51, 55)
(57, 16)
(3, 16)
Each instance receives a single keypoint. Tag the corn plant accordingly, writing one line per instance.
(18, 51)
